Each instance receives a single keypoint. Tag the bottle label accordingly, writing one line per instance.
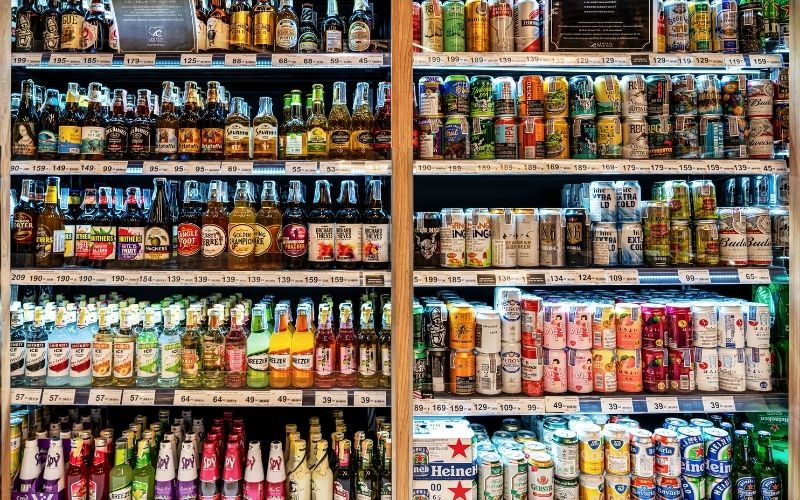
(367, 361)
(69, 139)
(294, 144)
(265, 140)
(24, 143)
(308, 43)
(89, 37)
(146, 359)
(130, 243)
(123, 359)
(376, 242)
(348, 361)
(140, 489)
(24, 32)
(121, 494)
(745, 488)
(263, 239)
(188, 140)
(235, 359)
(317, 141)
(189, 362)
(348, 242)
(340, 139)
(51, 34)
(241, 239)
(102, 353)
(362, 140)
(213, 140)
(36, 364)
(77, 489)
(769, 488)
(190, 239)
(386, 361)
(240, 27)
(383, 140)
(171, 360)
(103, 243)
(116, 139)
(80, 359)
(275, 238)
(286, 34)
(71, 31)
(333, 41)
(320, 242)
(218, 33)
(262, 28)
(214, 240)
(166, 140)
(237, 139)
(47, 142)
(83, 240)
(23, 228)
(57, 359)
(17, 358)
(258, 361)
(93, 140)
(48, 242)
(364, 491)
(69, 241)
(213, 355)
(323, 358)
(202, 36)
(140, 138)
(303, 361)
(294, 240)
(279, 360)
(156, 244)
(339, 492)
(358, 36)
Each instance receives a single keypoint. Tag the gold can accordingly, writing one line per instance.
(462, 372)
(462, 326)
(617, 449)
(477, 25)
(556, 96)
(590, 449)
(680, 243)
(16, 444)
(556, 138)
(706, 240)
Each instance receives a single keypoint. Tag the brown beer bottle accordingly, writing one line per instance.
(287, 28)
(294, 233)
(264, 25)
(215, 229)
(158, 232)
(212, 125)
(241, 233)
(268, 229)
(190, 224)
(241, 34)
(50, 229)
(23, 230)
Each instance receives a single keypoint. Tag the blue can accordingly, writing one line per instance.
(629, 201)
(505, 96)
(673, 423)
(456, 95)
(779, 192)
(692, 451)
(694, 488)
(581, 97)
(631, 244)
(701, 422)
(583, 138)
(712, 140)
(719, 488)
(719, 461)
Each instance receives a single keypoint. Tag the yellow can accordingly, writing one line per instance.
(556, 138)
(604, 328)
(591, 487)
(477, 25)
(16, 444)
(604, 367)
(617, 449)
(590, 449)
(462, 326)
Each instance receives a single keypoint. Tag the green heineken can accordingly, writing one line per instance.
(419, 341)
(693, 486)
(481, 139)
(453, 14)
(481, 96)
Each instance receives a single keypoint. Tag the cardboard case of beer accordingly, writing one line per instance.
(444, 466)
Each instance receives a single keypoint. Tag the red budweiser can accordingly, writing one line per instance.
(531, 137)
(654, 325)
(532, 327)
(679, 325)
(416, 27)
(655, 369)
(532, 371)
(681, 370)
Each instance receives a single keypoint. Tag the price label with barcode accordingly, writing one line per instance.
(305, 168)
(105, 396)
(734, 60)
(139, 60)
(26, 396)
(285, 398)
(713, 404)
(58, 396)
(616, 405)
(532, 406)
(369, 398)
(459, 407)
(189, 398)
(330, 398)
(240, 60)
(622, 276)
(662, 405)
(561, 404)
(694, 276)
(197, 59)
(484, 407)
(26, 59)
(236, 167)
(139, 397)
(754, 276)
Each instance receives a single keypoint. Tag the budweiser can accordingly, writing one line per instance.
(732, 236)
(579, 371)
(759, 237)
(757, 327)
(604, 332)
(704, 324)
(730, 325)
(555, 371)
(532, 371)
(528, 26)
(760, 140)
(487, 331)
(760, 98)
(706, 362)
(511, 361)
(758, 369)
(487, 373)
(507, 303)
(731, 369)
(555, 326)
(579, 326)
(531, 309)
(527, 222)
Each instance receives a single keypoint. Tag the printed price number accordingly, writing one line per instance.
(589, 276)
(189, 398)
(662, 405)
(58, 396)
(197, 59)
(66, 60)
(532, 406)
(734, 60)
(139, 60)
(694, 276)
(307, 168)
(622, 276)
(484, 406)
(369, 398)
(561, 404)
(105, 397)
(510, 406)
(139, 397)
(754, 276)
(286, 398)
(26, 396)
(560, 278)
(616, 405)
(713, 404)
(100, 59)
(455, 58)
(240, 60)
(114, 167)
(477, 59)
(236, 167)
(664, 60)
(459, 407)
(26, 59)
(330, 398)
(760, 61)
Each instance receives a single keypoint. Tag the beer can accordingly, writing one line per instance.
(734, 89)
(434, 325)
(490, 476)
(718, 488)
(629, 197)
(564, 449)
(656, 230)
(704, 199)
(704, 324)
(581, 97)
(452, 238)
(462, 373)
(618, 487)
(733, 248)
(487, 373)
(702, 423)
(781, 127)
(617, 449)
(511, 361)
(504, 238)
(456, 95)
(759, 236)
(531, 135)
(505, 96)
(431, 138)
(659, 89)
(565, 488)
(551, 237)
(532, 371)
(487, 331)
(711, 137)
(431, 90)
(540, 475)
(591, 487)
(481, 96)
(454, 37)
(780, 77)
(760, 139)
(780, 189)
(668, 455)
(462, 326)
(557, 140)
(478, 238)
(605, 248)
(654, 319)
(655, 361)
(501, 26)
(643, 487)
(692, 451)
(579, 371)
(643, 450)
(779, 223)
(530, 96)
(668, 487)
(416, 27)
(732, 373)
(603, 201)
(709, 95)
(438, 363)
(604, 330)
(432, 26)
(481, 138)
(577, 237)
(583, 138)
(679, 197)
(686, 141)
(634, 96)
(427, 229)
(528, 32)
(659, 137)
(680, 243)
(507, 303)
(590, 448)
(515, 474)
(555, 371)
(684, 94)
(629, 370)
(609, 137)
(725, 27)
(505, 138)
(608, 95)
(527, 223)
(477, 26)
(421, 372)
(758, 369)
(676, 16)
(556, 96)
(531, 308)
(635, 138)
(760, 97)
(631, 244)
(679, 324)
(706, 238)
(718, 452)
(706, 362)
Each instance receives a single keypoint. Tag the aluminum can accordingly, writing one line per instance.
(456, 138)
(760, 139)
(780, 189)
(634, 138)
(427, 228)
(668, 454)
(617, 449)
(532, 371)
(527, 244)
(780, 76)
(704, 324)
(700, 31)
(540, 475)
(604, 370)
(781, 126)
(422, 371)
(487, 373)
(515, 475)
(680, 243)
(731, 318)
(643, 488)
(551, 237)
(608, 95)
(760, 98)
(655, 361)
(462, 373)
(634, 96)
(438, 366)
(659, 137)
(711, 137)
(629, 197)
(692, 451)
(564, 449)
(532, 309)
(718, 452)
(565, 488)
(462, 326)
(732, 374)
(643, 452)
(481, 138)
(629, 370)
(555, 371)
(490, 476)
(758, 369)
(659, 89)
(676, 16)
(431, 136)
(431, 90)
(706, 240)
(505, 96)
(487, 331)
(605, 247)
(733, 236)
(694, 488)
(434, 325)
(679, 197)
(718, 488)
(530, 96)
(556, 96)
(479, 238)
(504, 237)
(779, 222)
(759, 237)
(673, 423)
(581, 97)
(507, 303)
(654, 319)
(452, 238)
(590, 447)
(604, 330)
(501, 26)
(609, 137)
(477, 25)
(416, 27)
(505, 138)
(704, 199)
(528, 32)
(686, 142)
(577, 238)
(583, 139)
(631, 244)
(557, 138)
(681, 370)
(679, 324)
(706, 362)
(591, 487)
(432, 25)
(725, 27)
(481, 96)
(531, 134)
(579, 371)
(729, 192)
(618, 487)
(454, 22)
(734, 89)
(656, 233)
(456, 95)
(709, 98)
(668, 488)
(751, 28)
(683, 96)
(579, 326)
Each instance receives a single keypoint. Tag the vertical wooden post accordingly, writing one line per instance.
(792, 483)
(5, 248)
(402, 246)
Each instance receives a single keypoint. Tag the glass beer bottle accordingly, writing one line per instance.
(268, 229)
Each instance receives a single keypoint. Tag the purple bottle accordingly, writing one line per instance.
(187, 472)
(165, 473)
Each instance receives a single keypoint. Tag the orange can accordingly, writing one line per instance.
(629, 370)
(604, 366)
(462, 326)
(462, 372)
(629, 325)
(530, 96)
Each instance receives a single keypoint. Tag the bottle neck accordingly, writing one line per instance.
(333, 8)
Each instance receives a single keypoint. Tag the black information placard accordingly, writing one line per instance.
(156, 25)
(600, 25)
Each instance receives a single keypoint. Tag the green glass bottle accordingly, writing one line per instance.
(144, 476)
(258, 349)
(121, 475)
(769, 481)
(744, 479)
(367, 480)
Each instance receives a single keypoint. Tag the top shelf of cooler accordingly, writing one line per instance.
(590, 61)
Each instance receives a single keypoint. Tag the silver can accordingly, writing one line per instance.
(634, 96)
(732, 369)
(603, 201)
(501, 26)
(511, 361)
(487, 330)
(642, 452)
(504, 237)
(478, 238)
(452, 238)
(779, 221)
(732, 236)
(528, 32)
(758, 369)
(527, 220)
(757, 327)
(676, 19)
(507, 303)
(631, 244)
(634, 138)
(760, 97)
(551, 237)
(629, 200)
(605, 247)
(487, 373)
(759, 237)
(706, 362)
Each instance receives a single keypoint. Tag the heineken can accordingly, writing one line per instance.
(581, 97)
(583, 139)
(634, 96)
(719, 488)
(676, 16)
(481, 138)
(692, 451)
(454, 26)
(718, 452)
(725, 26)
(699, 26)
(659, 137)
(481, 96)
(634, 138)
(694, 487)
(490, 476)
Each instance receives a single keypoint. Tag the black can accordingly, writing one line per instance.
(439, 369)
(744, 192)
(658, 95)
(427, 246)
(577, 241)
(759, 186)
(729, 193)
(751, 28)
(434, 325)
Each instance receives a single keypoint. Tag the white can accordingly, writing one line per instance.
(704, 324)
(487, 373)
(602, 201)
(452, 238)
(507, 303)
(511, 361)
(643, 451)
(756, 330)
(555, 326)
(604, 327)
(555, 371)
(504, 238)
(732, 236)
(540, 479)
(731, 369)
(629, 199)
(579, 326)
(501, 26)
(730, 325)
(565, 454)
(758, 369)
(706, 368)
(527, 221)
(478, 238)
(759, 237)
(605, 244)
(487, 330)
(579, 371)
(634, 96)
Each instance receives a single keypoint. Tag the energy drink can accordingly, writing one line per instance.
(635, 138)
(608, 95)
(659, 137)
(659, 90)
(609, 137)
(634, 96)
(712, 141)
(531, 135)
(581, 97)
(481, 138)
(605, 247)
(481, 96)
(530, 96)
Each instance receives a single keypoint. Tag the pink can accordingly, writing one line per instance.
(579, 371)
(555, 326)
(531, 307)
(555, 371)
(681, 370)
(655, 369)
(679, 325)
(579, 328)
(532, 371)
(604, 330)
(654, 325)
(629, 325)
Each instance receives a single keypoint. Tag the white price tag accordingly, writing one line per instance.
(236, 167)
(622, 276)
(484, 407)
(97, 59)
(764, 60)
(561, 404)
(304, 168)
(105, 396)
(139, 60)
(330, 398)
(560, 278)
(510, 406)
(113, 167)
(429, 407)
(714, 404)
(139, 397)
(286, 398)
(455, 58)
(664, 60)
(589, 276)
(162, 167)
(219, 278)
(459, 407)
(369, 398)
(662, 405)
(197, 59)
(61, 59)
(292, 60)
(733, 60)
(189, 398)
(477, 58)
(754, 275)
(221, 398)
(58, 396)
(708, 60)
(240, 60)
(26, 396)
(26, 59)
(533, 406)
(364, 60)
(616, 405)
(694, 276)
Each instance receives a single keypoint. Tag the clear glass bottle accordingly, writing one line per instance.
(212, 353)
(317, 126)
(124, 350)
(325, 350)
(339, 124)
(385, 348)
(265, 132)
(170, 346)
(147, 352)
(296, 130)
(80, 348)
(258, 349)
(367, 349)
(346, 348)
(237, 131)
(280, 347)
(191, 366)
(235, 354)
(302, 350)
(102, 350)
(241, 232)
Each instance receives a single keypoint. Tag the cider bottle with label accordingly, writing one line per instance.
(294, 232)
(158, 232)
(241, 31)
(375, 229)
(296, 136)
(268, 229)
(190, 224)
(346, 350)
(189, 142)
(287, 27)
(264, 25)
(103, 239)
(321, 228)
(339, 124)
(361, 140)
(347, 251)
(215, 229)
(241, 232)
(265, 132)
(50, 229)
(325, 350)
(317, 126)
(218, 27)
(367, 349)
(130, 232)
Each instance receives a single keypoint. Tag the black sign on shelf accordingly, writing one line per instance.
(156, 25)
(600, 25)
